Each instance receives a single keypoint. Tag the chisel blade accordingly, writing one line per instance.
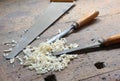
(81, 48)
(45, 20)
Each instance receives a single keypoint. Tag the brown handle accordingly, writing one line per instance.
(112, 40)
(87, 19)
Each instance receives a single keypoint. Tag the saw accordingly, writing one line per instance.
(45, 20)
(115, 39)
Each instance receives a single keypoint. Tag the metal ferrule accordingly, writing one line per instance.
(74, 25)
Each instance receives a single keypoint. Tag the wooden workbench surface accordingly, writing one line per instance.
(16, 16)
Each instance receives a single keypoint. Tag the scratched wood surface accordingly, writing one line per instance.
(16, 16)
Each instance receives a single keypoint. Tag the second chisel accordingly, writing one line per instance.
(115, 39)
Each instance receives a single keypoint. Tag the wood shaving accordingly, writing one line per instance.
(37, 37)
(7, 51)
(41, 59)
(21, 61)
(5, 54)
(13, 42)
(59, 31)
(12, 61)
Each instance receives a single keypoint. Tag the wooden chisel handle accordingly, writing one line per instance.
(87, 19)
(115, 39)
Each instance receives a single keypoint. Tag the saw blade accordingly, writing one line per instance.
(45, 20)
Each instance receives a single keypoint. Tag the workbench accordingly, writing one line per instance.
(17, 16)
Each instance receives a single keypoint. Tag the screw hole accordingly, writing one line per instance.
(103, 78)
(99, 65)
(50, 78)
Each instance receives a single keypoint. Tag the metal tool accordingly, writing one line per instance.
(45, 20)
(115, 39)
(78, 24)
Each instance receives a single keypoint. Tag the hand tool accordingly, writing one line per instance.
(115, 39)
(45, 20)
(78, 24)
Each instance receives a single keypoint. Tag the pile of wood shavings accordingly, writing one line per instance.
(41, 59)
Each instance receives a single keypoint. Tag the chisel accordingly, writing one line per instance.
(78, 24)
(115, 39)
